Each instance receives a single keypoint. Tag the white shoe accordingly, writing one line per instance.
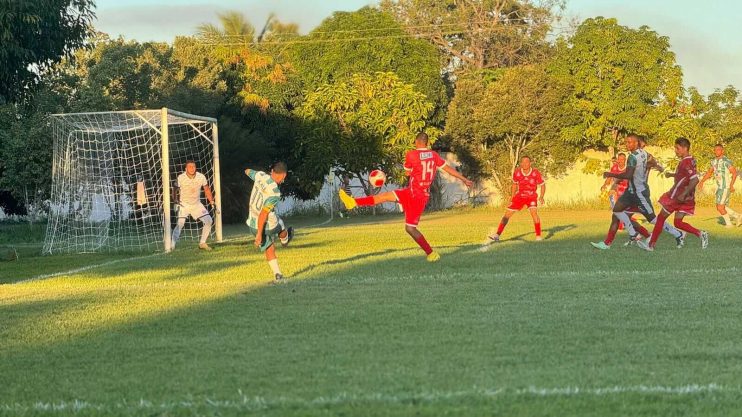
(539, 238)
(704, 239)
(489, 240)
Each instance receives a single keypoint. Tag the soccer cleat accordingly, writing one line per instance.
(704, 239)
(600, 245)
(728, 226)
(279, 277)
(348, 201)
(204, 246)
(539, 238)
(433, 257)
(289, 236)
(680, 241)
(490, 239)
(644, 245)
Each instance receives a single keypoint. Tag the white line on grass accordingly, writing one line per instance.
(247, 403)
(86, 268)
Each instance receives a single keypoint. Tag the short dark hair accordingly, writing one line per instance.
(719, 145)
(279, 167)
(683, 142)
(422, 137)
(620, 154)
(190, 161)
(522, 157)
(634, 135)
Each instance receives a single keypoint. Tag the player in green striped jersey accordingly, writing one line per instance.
(263, 222)
(725, 175)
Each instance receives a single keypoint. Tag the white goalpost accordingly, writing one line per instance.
(113, 176)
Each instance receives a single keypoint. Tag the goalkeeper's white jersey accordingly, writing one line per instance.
(265, 195)
(190, 188)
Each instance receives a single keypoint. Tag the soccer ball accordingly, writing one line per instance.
(377, 178)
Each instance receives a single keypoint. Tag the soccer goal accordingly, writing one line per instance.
(113, 175)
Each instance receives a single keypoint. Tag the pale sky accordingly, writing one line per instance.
(705, 35)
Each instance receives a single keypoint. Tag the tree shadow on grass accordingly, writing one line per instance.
(373, 325)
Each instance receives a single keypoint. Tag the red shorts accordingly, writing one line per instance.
(519, 202)
(413, 205)
(670, 205)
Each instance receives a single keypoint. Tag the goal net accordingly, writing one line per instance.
(113, 176)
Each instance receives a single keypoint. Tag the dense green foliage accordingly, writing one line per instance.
(485, 72)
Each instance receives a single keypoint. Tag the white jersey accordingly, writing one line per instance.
(190, 188)
(264, 196)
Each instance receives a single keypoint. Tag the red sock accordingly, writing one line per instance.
(657, 229)
(681, 225)
(611, 235)
(620, 226)
(424, 245)
(537, 226)
(500, 228)
(641, 230)
(365, 201)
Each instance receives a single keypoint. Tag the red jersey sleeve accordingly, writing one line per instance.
(408, 161)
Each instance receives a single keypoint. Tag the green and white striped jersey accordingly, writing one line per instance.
(265, 195)
(638, 182)
(722, 173)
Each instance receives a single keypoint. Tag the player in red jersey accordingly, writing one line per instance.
(681, 197)
(526, 181)
(420, 165)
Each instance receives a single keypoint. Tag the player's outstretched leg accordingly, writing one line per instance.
(207, 221)
(536, 222)
(176, 232)
(372, 200)
(431, 255)
(494, 236)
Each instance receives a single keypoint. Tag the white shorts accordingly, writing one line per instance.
(194, 210)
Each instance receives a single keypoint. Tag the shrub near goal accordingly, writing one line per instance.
(112, 176)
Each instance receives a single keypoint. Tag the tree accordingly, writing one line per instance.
(480, 34)
(366, 122)
(623, 80)
(35, 35)
(368, 41)
(493, 124)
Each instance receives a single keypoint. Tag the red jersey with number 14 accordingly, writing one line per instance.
(422, 164)
(527, 182)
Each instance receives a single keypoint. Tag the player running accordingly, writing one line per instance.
(680, 199)
(526, 181)
(187, 195)
(725, 175)
(420, 165)
(262, 221)
(636, 198)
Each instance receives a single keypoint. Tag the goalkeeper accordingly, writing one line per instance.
(189, 190)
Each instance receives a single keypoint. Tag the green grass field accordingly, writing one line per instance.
(366, 327)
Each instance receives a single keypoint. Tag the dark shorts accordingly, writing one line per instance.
(637, 203)
(270, 236)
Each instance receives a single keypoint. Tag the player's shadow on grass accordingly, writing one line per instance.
(550, 233)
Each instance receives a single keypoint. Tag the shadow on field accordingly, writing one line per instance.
(359, 324)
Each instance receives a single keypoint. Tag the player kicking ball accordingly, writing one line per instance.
(680, 199)
(420, 165)
(262, 221)
(526, 181)
(187, 195)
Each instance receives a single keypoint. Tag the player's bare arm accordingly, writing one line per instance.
(209, 194)
(262, 220)
(706, 176)
(176, 194)
(451, 171)
(608, 182)
(248, 171)
(691, 186)
(653, 163)
(514, 188)
(543, 192)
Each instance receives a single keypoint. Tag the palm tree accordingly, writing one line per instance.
(234, 30)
